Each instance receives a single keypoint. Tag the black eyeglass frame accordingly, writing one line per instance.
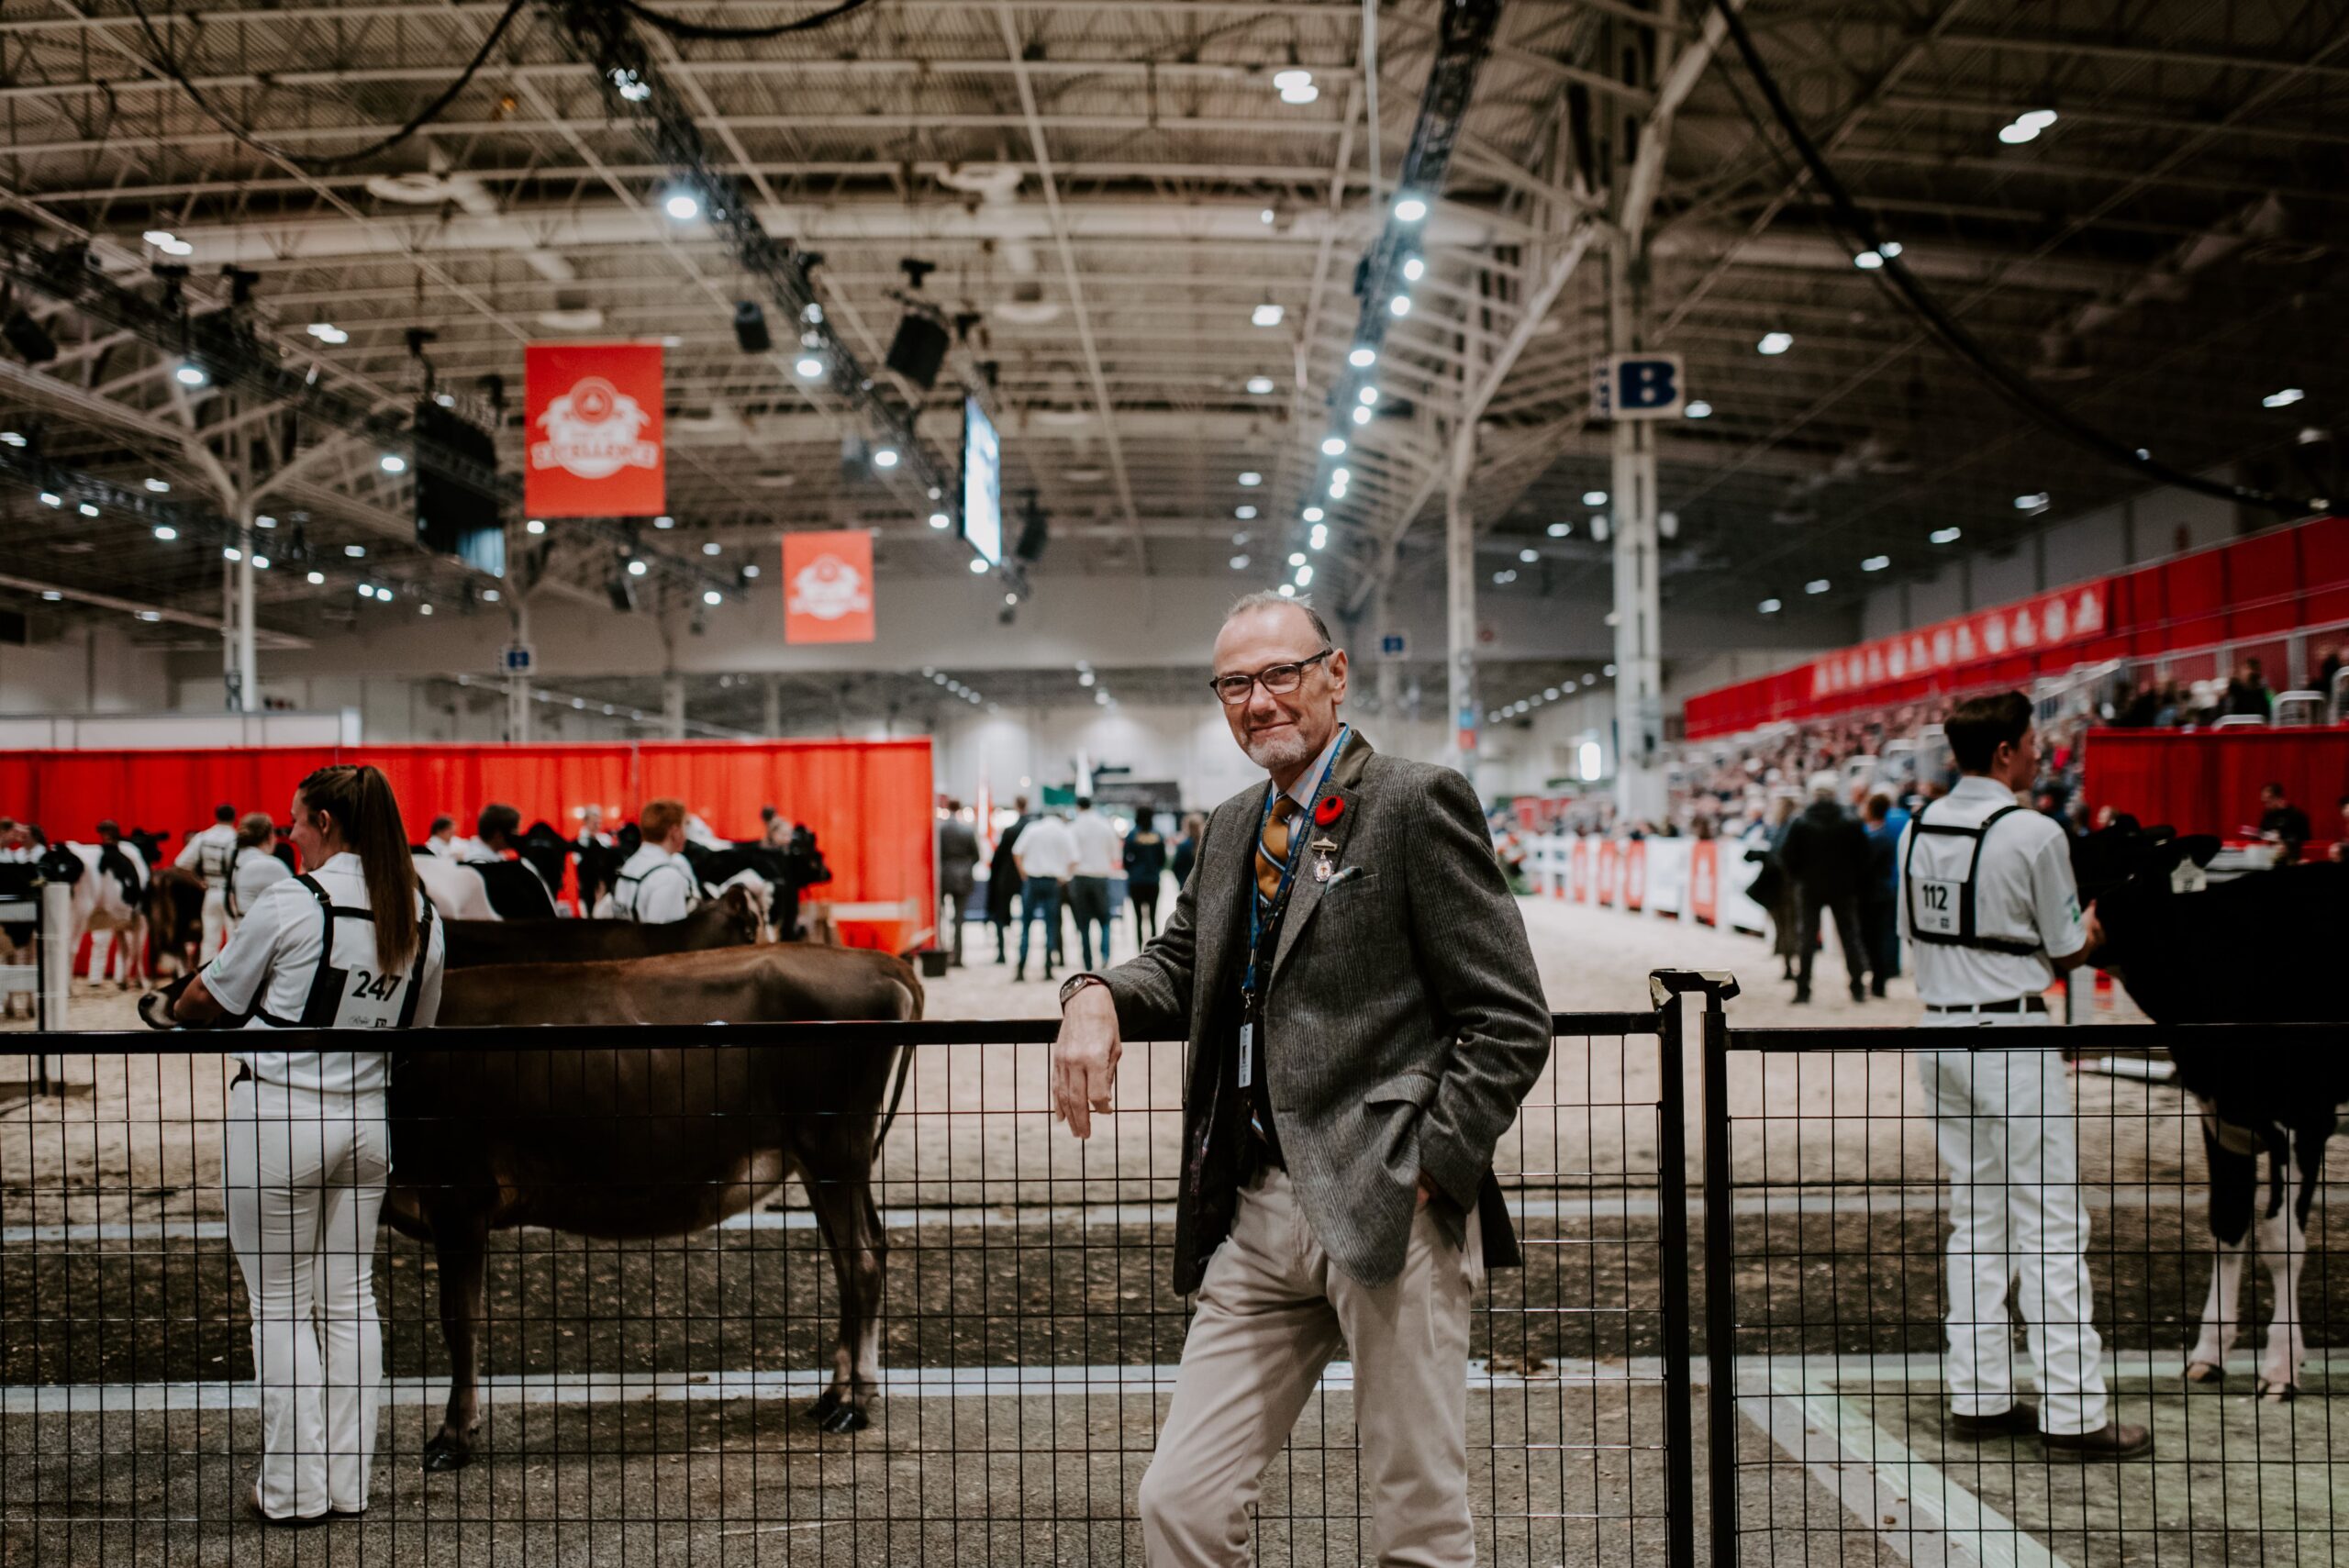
(1215, 683)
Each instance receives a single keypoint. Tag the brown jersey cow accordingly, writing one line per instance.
(634, 1141)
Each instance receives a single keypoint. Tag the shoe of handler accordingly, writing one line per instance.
(2109, 1442)
(2014, 1421)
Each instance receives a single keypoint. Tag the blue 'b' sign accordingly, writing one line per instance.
(1640, 386)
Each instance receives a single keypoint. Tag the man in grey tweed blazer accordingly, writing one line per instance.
(1339, 1117)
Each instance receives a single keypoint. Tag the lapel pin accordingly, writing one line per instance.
(1322, 869)
(1329, 811)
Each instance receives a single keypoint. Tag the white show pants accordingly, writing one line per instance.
(217, 927)
(2003, 1123)
(304, 1174)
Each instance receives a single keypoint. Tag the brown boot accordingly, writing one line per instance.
(2109, 1442)
(2014, 1421)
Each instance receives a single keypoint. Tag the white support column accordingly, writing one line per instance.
(1390, 671)
(1460, 593)
(673, 705)
(1639, 664)
(247, 687)
(517, 683)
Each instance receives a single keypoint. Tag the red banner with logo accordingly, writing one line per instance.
(1705, 881)
(593, 430)
(828, 587)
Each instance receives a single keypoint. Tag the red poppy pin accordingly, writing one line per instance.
(1329, 811)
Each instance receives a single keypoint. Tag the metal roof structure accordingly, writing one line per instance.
(1111, 194)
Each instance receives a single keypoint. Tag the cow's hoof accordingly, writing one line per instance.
(847, 1419)
(441, 1455)
(2278, 1393)
(2205, 1372)
(825, 1403)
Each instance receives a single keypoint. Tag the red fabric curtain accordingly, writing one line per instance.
(2208, 781)
(870, 803)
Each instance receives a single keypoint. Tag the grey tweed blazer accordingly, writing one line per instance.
(1404, 1018)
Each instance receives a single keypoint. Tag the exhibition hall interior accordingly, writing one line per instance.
(801, 538)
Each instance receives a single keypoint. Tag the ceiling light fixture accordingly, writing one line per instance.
(535, 526)
(808, 367)
(2283, 399)
(392, 462)
(1250, 480)
(712, 547)
(681, 206)
(1815, 585)
(1363, 359)
(356, 552)
(88, 509)
(188, 372)
(2036, 502)
(1245, 514)
(1410, 209)
(1876, 563)
(1267, 314)
(315, 578)
(165, 532)
(1313, 513)
(940, 520)
(712, 597)
(978, 565)
(1946, 536)
(1868, 260)
(1400, 305)
(1333, 446)
(327, 332)
(1528, 556)
(1700, 409)
(1594, 497)
(1775, 342)
(1560, 530)
(1361, 415)
(1260, 386)
(637, 569)
(885, 457)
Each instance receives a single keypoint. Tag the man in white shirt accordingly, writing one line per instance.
(1990, 910)
(591, 829)
(496, 830)
(657, 884)
(442, 839)
(1100, 855)
(1047, 857)
(210, 855)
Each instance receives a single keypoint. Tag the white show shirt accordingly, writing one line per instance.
(209, 854)
(655, 887)
(449, 849)
(2024, 891)
(1100, 852)
(1046, 848)
(273, 960)
(256, 872)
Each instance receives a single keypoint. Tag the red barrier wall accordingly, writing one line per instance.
(2269, 584)
(2207, 780)
(869, 802)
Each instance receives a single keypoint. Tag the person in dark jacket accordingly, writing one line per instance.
(958, 859)
(1145, 872)
(1826, 854)
(1186, 849)
(2282, 824)
(1003, 879)
(1879, 897)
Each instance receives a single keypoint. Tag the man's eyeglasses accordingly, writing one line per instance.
(1279, 679)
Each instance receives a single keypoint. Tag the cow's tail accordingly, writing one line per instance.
(915, 1000)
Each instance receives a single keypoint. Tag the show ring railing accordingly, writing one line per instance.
(644, 1395)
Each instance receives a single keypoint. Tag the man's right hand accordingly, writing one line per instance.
(1084, 1059)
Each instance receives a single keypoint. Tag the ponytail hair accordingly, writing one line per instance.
(360, 800)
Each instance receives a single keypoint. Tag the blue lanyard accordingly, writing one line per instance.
(1288, 871)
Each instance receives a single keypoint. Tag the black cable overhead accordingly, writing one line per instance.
(1919, 302)
(702, 32)
(165, 62)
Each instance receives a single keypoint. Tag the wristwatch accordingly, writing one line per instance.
(1076, 983)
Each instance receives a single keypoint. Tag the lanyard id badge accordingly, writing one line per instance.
(1263, 931)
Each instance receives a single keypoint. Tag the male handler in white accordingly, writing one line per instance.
(1364, 1017)
(1988, 903)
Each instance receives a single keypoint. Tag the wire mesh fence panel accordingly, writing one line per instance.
(1949, 1255)
(669, 1303)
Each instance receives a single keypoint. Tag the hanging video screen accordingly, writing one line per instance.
(982, 484)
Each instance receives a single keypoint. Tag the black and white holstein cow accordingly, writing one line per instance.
(2258, 950)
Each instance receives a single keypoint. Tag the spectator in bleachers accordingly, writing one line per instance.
(2282, 824)
(2247, 694)
(1879, 908)
(1826, 857)
(2340, 851)
(2328, 666)
(1775, 891)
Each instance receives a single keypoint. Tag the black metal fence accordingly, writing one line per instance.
(1835, 1245)
(642, 1387)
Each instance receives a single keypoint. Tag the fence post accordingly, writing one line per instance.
(1665, 988)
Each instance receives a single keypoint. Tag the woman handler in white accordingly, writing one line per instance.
(351, 945)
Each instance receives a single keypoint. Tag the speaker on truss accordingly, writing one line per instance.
(919, 349)
(750, 327)
(1035, 530)
(456, 495)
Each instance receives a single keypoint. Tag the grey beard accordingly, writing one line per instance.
(1273, 755)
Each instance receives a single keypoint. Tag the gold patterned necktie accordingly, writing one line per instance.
(1272, 850)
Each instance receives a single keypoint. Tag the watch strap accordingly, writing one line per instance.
(1076, 983)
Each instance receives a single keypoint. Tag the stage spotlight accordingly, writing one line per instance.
(28, 338)
(750, 327)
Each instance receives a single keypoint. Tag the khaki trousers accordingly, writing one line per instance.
(1273, 1310)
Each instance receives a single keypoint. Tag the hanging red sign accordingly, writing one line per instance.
(828, 587)
(594, 447)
